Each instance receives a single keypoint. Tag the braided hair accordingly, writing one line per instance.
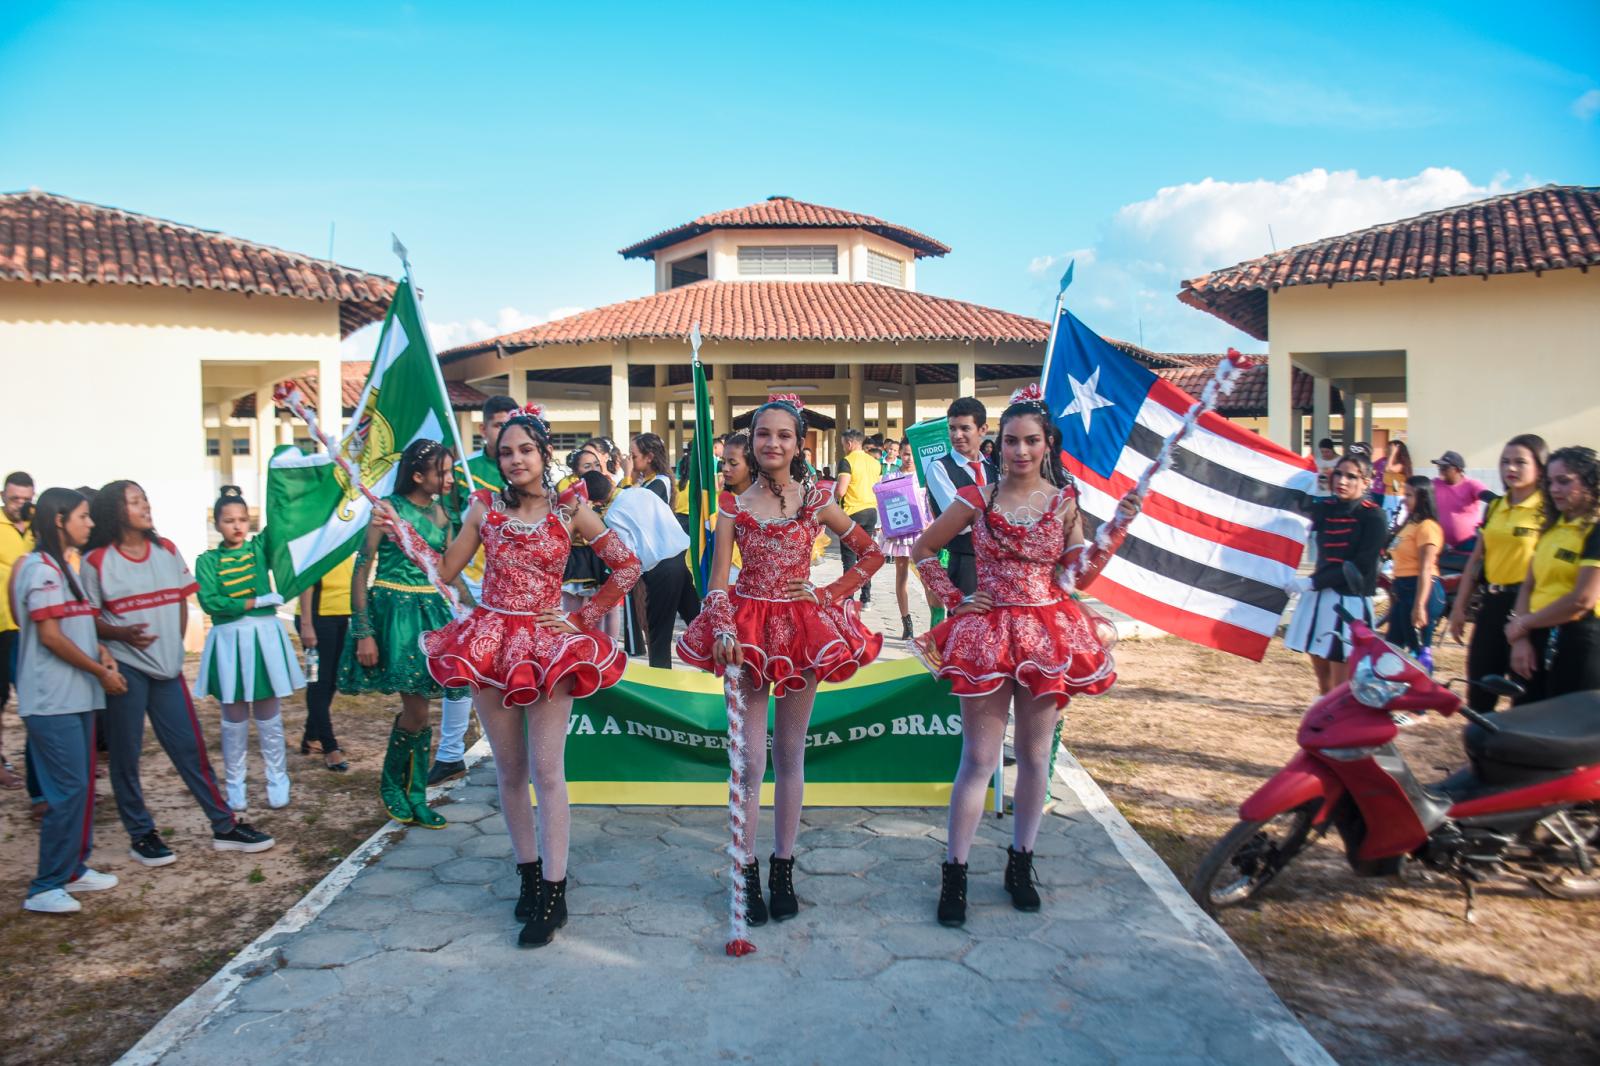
(798, 471)
(531, 421)
(1029, 402)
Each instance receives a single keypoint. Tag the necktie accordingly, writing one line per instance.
(977, 471)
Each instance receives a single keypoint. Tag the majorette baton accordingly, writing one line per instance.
(738, 943)
(400, 531)
(1221, 384)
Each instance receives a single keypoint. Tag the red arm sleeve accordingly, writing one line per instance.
(625, 571)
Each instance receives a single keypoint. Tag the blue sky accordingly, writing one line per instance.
(515, 148)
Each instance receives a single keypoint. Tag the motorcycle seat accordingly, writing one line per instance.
(1561, 733)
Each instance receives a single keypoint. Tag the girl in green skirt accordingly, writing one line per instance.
(386, 620)
(248, 663)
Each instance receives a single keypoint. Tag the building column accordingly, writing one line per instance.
(908, 397)
(680, 434)
(967, 375)
(1366, 419)
(264, 442)
(517, 384)
(619, 400)
(1321, 405)
(883, 417)
(661, 427)
(721, 401)
(330, 395)
(1280, 398)
(464, 431)
(856, 418)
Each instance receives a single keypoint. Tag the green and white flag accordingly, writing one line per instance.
(315, 516)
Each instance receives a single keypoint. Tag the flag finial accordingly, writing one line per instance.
(694, 338)
(400, 250)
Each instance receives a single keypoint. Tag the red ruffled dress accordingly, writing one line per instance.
(1035, 633)
(782, 638)
(501, 644)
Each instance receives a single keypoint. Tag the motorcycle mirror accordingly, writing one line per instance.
(1500, 686)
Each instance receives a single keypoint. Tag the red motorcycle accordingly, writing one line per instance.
(1527, 804)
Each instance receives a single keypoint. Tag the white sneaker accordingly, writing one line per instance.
(55, 901)
(92, 881)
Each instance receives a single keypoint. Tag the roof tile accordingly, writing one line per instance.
(783, 212)
(1549, 228)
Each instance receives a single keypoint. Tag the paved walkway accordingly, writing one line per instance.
(414, 960)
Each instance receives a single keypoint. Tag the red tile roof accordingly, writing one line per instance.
(1548, 228)
(353, 375)
(1249, 396)
(827, 311)
(783, 212)
(44, 237)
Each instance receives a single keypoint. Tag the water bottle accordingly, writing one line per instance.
(313, 663)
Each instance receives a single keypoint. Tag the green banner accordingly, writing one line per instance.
(888, 737)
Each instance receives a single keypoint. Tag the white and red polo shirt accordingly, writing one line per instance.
(149, 589)
(45, 684)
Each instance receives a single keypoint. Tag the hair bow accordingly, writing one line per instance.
(787, 398)
(1029, 394)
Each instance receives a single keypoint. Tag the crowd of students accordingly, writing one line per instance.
(1529, 561)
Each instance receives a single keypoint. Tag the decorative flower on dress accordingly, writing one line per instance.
(1030, 394)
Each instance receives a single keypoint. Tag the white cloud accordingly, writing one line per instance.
(359, 345)
(1183, 231)
(1587, 106)
(1047, 264)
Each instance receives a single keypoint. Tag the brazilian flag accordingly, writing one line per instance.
(702, 472)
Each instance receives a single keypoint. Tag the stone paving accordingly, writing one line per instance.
(416, 962)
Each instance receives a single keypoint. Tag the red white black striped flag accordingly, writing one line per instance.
(1221, 531)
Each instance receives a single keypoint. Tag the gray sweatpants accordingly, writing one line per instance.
(171, 712)
(62, 749)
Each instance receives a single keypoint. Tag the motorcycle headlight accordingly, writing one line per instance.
(1372, 690)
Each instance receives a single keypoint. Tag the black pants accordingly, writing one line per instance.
(1571, 657)
(963, 571)
(868, 520)
(8, 656)
(1487, 650)
(668, 593)
(1402, 602)
(331, 631)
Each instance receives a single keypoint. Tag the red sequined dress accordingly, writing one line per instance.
(1035, 633)
(501, 643)
(784, 638)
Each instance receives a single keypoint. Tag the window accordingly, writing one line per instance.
(241, 446)
(690, 270)
(477, 442)
(561, 443)
(759, 259)
(885, 268)
(213, 447)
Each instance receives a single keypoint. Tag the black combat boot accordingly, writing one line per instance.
(528, 898)
(1019, 879)
(780, 879)
(755, 908)
(953, 894)
(550, 915)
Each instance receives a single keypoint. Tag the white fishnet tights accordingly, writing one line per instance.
(524, 739)
(983, 735)
(792, 718)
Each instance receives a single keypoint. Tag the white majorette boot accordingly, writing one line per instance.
(269, 734)
(235, 761)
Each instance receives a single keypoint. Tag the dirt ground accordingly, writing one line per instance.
(1379, 971)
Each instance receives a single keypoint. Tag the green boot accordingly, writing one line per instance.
(417, 781)
(396, 764)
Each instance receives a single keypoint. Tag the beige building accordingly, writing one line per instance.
(128, 340)
(1483, 320)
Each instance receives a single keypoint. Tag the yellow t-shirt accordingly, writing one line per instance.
(1509, 534)
(865, 472)
(13, 546)
(1563, 550)
(335, 598)
(1406, 551)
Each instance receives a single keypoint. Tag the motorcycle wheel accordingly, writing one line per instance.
(1572, 882)
(1247, 859)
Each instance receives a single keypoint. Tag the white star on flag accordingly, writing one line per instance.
(1085, 398)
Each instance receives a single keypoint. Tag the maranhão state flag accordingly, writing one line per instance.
(1222, 529)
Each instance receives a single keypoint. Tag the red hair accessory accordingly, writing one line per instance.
(1239, 360)
(1029, 394)
(534, 410)
(788, 398)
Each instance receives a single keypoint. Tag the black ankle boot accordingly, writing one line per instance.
(905, 627)
(1019, 879)
(755, 908)
(953, 894)
(528, 898)
(550, 915)
(780, 879)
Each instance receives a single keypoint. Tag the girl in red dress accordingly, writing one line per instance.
(526, 659)
(1020, 640)
(782, 632)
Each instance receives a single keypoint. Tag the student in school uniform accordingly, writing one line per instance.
(965, 464)
(140, 585)
(324, 624)
(63, 675)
